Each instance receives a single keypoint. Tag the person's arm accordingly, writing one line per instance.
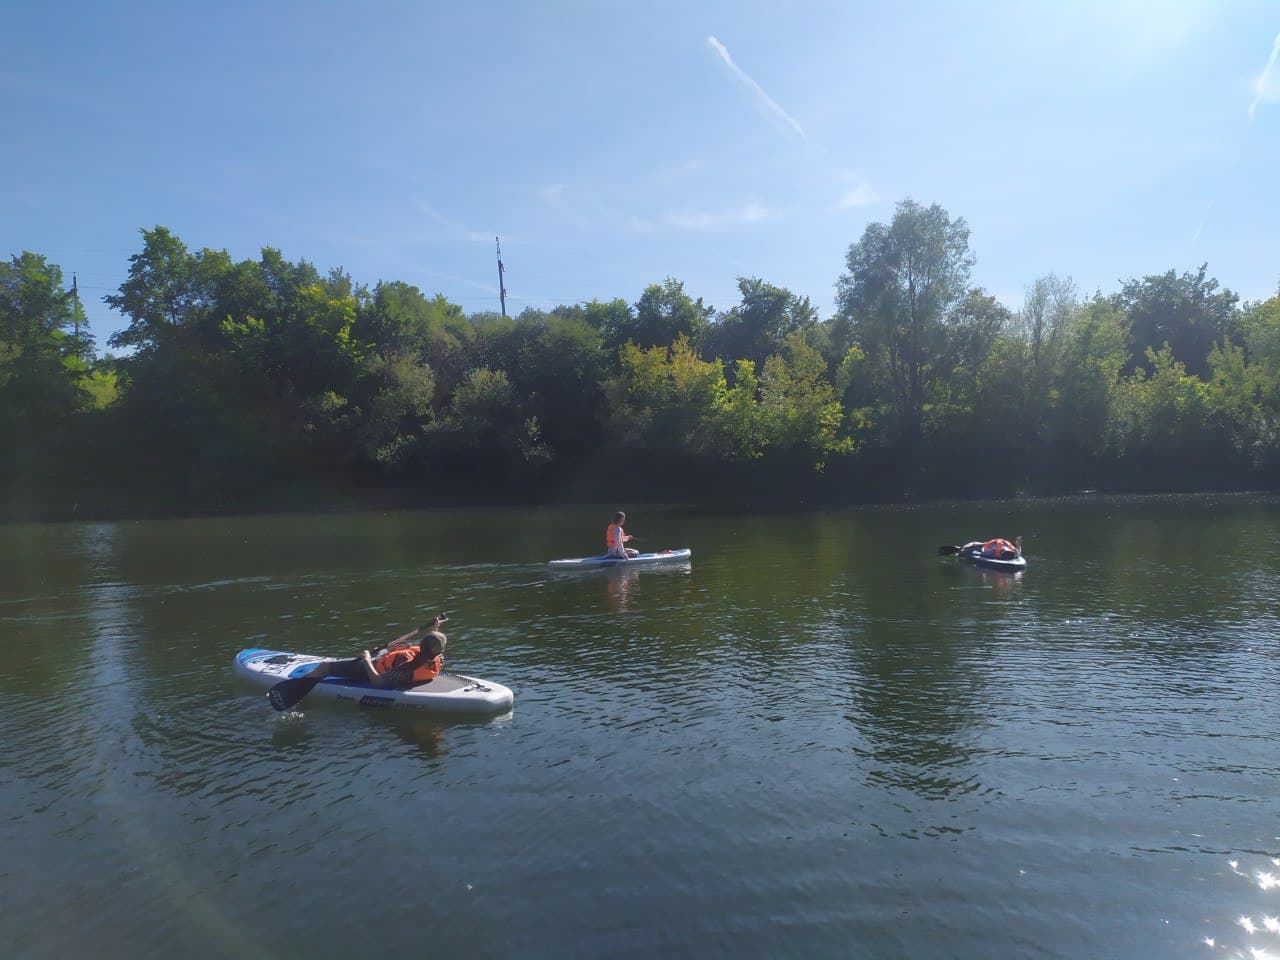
(371, 672)
(406, 639)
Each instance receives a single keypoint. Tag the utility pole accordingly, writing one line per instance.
(502, 290)
(75, 295)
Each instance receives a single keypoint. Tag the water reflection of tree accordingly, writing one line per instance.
(57, 599)
(919, 716)
(1174, 576)
(916, 685)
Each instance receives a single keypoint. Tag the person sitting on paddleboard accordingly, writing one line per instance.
(615, 540)
(401, 664)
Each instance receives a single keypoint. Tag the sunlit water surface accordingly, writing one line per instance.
(818, 738)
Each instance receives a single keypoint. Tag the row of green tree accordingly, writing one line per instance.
(266, 382)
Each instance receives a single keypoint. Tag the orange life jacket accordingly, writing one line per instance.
(997, 548)
(397, 658)
(613, 537)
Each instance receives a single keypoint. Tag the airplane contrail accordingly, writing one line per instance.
(1262, 84)
(758, 90)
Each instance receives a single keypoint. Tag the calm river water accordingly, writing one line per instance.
(817, 739)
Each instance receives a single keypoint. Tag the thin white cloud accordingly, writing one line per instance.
(460, 230)
(454, 278)
(552, 192)
(752, 212)
(1266, 86)
(859, 195)
(1204, 219)
(763, 97)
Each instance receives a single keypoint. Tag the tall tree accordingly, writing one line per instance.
(42, 362)
(978, 322)
(1046, 312)
(799, 409)
(1042, 325)
(159, 292)
(1188, 312)
(615, 319)
(396, 318)
(1262, 339)
(484, 436)
(558, 369)
(760, 324)
(665, 402)
(42, 376)
(899, 297)
(1093, 354)
(663, 313)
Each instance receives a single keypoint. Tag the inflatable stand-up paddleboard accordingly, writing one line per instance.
(446, 693)
(641, 559)
(973, 554)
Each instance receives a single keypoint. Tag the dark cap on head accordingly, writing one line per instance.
(619, 517)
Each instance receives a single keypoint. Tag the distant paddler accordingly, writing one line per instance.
(615, 539)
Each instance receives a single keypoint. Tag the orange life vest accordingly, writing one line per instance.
(997, 547)
(397, 658)
(613, 537)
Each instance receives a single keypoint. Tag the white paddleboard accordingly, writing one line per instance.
(1014, 565)
(446, 693)
(662, 556)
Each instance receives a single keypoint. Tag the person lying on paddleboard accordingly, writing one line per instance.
(402, 664)
(615, 540)
(999, 549)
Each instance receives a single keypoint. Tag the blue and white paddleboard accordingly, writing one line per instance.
(974, 555)
(446, 693)
(662, 556)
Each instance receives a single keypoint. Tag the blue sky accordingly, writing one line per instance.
(611, 145)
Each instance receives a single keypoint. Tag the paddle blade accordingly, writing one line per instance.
(948, 550)
(288, 692)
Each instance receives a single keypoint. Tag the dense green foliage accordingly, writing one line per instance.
(268, 383)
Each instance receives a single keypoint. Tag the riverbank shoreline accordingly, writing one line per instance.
(321, 502)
